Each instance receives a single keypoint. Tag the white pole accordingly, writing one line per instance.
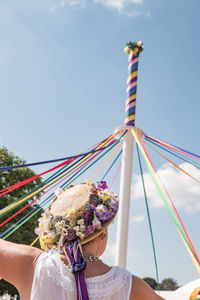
(124, 199)
(124, 196)
(134, 50)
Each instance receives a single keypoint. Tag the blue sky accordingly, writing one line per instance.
(62, 78)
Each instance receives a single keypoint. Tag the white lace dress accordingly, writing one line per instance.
(54, 281)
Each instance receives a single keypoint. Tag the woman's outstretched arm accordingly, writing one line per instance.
(17, 262)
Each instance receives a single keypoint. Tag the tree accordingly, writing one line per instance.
(168, 284)
(151, 282)
(7, 178)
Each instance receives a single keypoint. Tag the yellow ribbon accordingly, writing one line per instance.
(37, 238)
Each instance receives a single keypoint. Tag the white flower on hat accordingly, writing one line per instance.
(96, 223)
(43, 224)
(51, 235)
(38, 231)
(82, 227)
(80, 222)
(76, 228)
(100, 208)
(80, 235)
(46, 214)
(59, 226)
(58, 191)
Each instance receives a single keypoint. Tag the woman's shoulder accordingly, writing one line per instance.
(141, 290)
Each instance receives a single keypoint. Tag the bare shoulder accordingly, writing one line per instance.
(141, 290)
(17, 261)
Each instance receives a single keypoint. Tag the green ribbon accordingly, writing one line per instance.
(149, 218)
(156, 182)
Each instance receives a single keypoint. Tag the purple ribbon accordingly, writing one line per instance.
(78, 266)
(82, 292)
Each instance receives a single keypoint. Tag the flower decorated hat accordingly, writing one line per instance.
(80, 212)
(76, 216)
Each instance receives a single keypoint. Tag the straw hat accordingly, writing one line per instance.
(80, 212)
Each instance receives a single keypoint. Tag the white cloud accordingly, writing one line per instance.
(184, 191)
(72, 3)
(127, 7)
(138, 218)
(123, 6)
(118, 4)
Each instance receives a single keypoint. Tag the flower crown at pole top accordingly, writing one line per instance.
(56, 231)
(133, 46)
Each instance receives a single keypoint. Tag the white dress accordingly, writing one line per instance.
(53, 280)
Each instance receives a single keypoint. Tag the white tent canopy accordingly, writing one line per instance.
(183, 293)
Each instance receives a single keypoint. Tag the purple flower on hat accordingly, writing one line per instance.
(94, 199)
(89, 230)
(69, 234)
(113, 204)
(103, 214)
(102, 185)
(88, 217)
(93, 207)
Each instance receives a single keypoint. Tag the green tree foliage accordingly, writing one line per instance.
(169, 284)
(25, 234)
(151, 282)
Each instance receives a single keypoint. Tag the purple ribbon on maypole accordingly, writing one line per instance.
(133, 49)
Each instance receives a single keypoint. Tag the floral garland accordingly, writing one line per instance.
(101, 207)
(137, 47)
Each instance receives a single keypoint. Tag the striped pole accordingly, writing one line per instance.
(133, 49)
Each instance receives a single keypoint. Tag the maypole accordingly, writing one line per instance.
(133, 49)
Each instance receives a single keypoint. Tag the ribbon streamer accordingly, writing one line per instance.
(188, 240)
(162, 193)
(47, 161)
(12, 206)
(175, 165)
(178, 149)
(172, 152)
(149, 218)
(52, 194)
